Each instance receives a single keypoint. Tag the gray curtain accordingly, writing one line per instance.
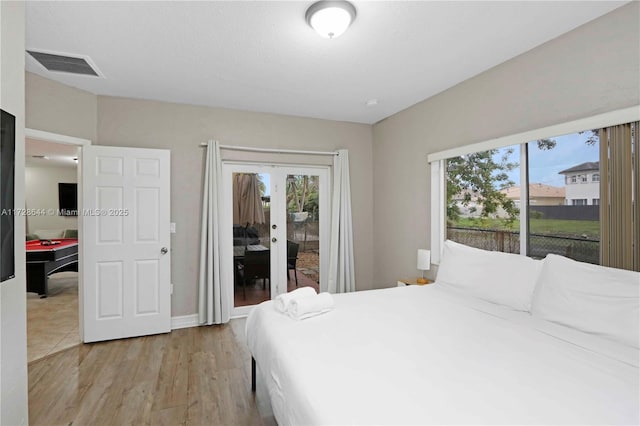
(212, 306)
(341, 266)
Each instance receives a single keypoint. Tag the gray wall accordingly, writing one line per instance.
(56, 108)
(13, 309)
(181, 128)
(590, 70)
(41, 185)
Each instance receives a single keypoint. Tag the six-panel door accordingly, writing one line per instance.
(126, 258)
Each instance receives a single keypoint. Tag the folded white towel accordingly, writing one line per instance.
(283, 300)
(308, 307)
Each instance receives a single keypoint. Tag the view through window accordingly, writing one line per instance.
(562, 176)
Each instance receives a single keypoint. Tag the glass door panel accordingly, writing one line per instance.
(280, 217)
(251, 238)
(303, 231)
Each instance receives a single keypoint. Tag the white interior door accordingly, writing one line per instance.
(126, 250)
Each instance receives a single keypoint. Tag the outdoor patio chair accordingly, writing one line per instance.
(257, 265)
(292, 258)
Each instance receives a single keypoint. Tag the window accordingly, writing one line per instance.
(562, 222)
(485, 198)
(605, 165)
(595, 177)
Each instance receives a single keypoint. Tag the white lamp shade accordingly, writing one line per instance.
(330, 18)
(424, 259)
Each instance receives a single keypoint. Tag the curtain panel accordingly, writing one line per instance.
(341, 264)
(620, 196)
(212, 306)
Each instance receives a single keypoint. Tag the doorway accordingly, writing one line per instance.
(275, 231)
(52, 177)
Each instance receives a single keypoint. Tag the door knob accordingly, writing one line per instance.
(164, 250)
(274, 239)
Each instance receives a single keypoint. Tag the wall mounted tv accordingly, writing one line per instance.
(7, 175)
(68, 199)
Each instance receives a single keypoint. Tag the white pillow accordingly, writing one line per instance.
(501, 278)
(590, 298)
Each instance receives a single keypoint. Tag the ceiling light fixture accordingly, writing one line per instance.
(330, 18)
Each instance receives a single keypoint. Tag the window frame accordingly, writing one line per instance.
(437, 166)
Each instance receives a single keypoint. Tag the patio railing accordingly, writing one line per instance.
(581, 249)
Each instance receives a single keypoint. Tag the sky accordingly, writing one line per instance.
(266, 178)
(544, 166)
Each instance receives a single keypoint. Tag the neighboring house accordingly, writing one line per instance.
(472, 208)
(582, 184)
(539, 195)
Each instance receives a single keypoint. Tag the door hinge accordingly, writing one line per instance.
(172, 288)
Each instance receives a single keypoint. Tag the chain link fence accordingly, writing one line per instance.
(539, 245)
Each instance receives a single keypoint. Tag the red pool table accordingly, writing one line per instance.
(43, 259)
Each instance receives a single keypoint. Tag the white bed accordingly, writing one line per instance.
(434, 355)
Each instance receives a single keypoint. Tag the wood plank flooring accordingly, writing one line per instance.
(192, 376)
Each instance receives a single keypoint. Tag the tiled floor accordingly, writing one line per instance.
(52, 322)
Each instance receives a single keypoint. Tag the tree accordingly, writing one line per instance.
(480, 178)
(303, 191)
(593, 136)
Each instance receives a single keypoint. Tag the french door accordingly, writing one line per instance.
(275, 231)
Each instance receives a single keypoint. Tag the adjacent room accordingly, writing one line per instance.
(349, 212)
(51, 175)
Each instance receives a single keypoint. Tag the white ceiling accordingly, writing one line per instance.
(262, 56)
(58, 155)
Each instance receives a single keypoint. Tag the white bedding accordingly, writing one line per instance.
(427, 355)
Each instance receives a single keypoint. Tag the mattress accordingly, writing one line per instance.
(427, 355)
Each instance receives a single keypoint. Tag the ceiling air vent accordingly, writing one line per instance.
(69, 64)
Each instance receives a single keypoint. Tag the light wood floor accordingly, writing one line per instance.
(52, 322)
(192, 376)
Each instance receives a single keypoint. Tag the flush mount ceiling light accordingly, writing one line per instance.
(330, 18)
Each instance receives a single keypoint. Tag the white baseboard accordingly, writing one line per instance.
(184, 321)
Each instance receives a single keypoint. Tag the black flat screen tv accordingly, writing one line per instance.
(7, 178)
(68, 199)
